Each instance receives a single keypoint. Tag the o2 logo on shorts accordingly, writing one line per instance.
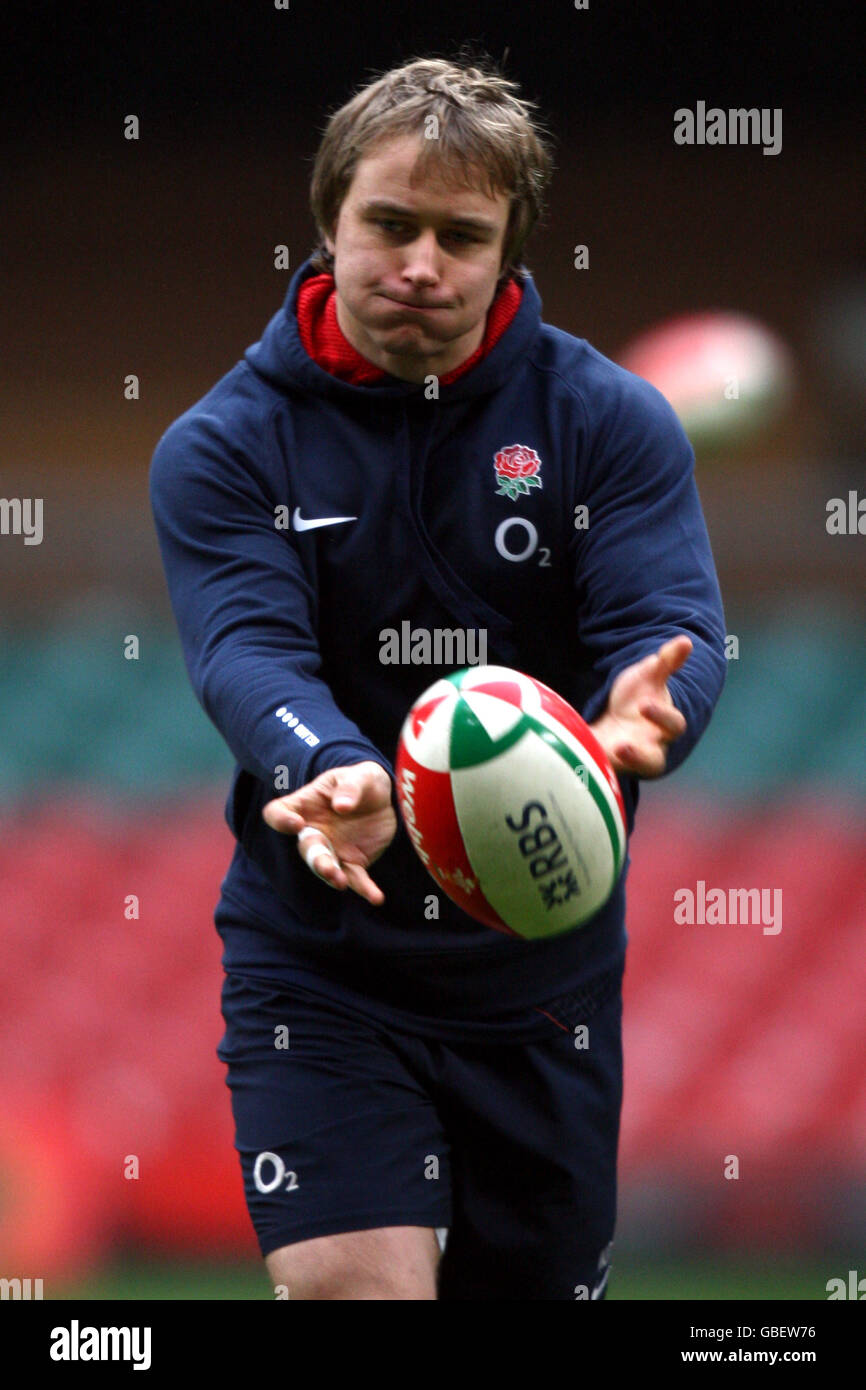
(270, 1173)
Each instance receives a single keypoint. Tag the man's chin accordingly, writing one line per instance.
(413, 361)
(406, 347)
(409, 340)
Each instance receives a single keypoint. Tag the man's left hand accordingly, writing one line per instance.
(641, 719)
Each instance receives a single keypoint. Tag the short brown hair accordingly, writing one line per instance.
(483, 128)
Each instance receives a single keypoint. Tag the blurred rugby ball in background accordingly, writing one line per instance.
(726, 375)
(510, 802)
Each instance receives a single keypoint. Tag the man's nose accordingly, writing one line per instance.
(422, 257)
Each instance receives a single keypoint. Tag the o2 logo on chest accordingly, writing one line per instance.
(516, 539)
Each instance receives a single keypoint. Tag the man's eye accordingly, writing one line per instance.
(399, 228)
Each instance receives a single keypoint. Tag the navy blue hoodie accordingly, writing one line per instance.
(282, 624)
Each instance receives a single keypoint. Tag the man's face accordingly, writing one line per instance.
(433, 245)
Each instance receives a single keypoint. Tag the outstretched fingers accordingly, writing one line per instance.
(669, 719)
(320, 856)
(283, 818)
(359, 880)
(672, 655)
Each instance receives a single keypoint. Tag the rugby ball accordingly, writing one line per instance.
(726, 375)
(510, 802)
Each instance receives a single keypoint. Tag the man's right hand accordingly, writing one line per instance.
(345, 820)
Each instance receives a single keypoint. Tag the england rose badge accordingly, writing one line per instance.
(517, 470)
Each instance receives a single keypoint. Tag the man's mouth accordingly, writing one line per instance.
(421, 308)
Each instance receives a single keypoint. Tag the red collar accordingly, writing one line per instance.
(328, 346)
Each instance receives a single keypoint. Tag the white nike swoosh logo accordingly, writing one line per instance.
(300, 524)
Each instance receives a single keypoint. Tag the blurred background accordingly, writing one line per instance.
(155, 258)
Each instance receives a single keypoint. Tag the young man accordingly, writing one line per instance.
(396, 1067)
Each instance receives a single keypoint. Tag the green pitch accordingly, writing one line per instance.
(705, 1279)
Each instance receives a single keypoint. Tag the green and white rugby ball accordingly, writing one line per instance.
(511, 802)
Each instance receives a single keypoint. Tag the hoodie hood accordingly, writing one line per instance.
(282, 359)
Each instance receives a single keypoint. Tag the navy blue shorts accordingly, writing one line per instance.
(343, 1124)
